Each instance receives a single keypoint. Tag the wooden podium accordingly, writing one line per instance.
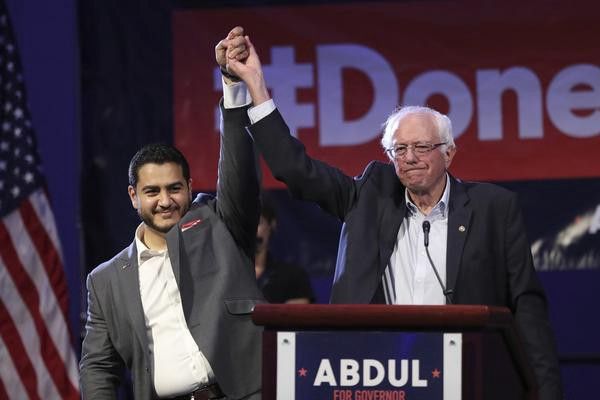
(368, 352)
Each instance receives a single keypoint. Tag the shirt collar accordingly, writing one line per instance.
(143, 252)
(440, 208)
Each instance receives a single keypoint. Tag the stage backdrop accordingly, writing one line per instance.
(523, 91)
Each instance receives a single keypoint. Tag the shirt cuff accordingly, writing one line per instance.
(260, 111)
(235, 95)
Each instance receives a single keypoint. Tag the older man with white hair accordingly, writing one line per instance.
(399, 219)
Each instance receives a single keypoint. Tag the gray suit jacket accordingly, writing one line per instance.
(213, 265)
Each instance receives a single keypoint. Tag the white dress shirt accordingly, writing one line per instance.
(236, 94)
(178, 364)
(410, 272)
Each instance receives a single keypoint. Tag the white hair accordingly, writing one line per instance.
(442, 122)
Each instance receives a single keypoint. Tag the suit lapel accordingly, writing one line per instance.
(459, 217)
(173, 238)
(176, 249)
(392, 217)
(130, 289)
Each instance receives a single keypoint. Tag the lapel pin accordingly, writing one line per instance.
(124, 266)
(462, 228)
(191, 224)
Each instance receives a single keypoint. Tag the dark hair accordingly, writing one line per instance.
(157, 153)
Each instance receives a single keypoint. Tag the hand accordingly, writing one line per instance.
(249, 70)
(234, 45)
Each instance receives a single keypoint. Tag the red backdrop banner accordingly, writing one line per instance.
(521, 82)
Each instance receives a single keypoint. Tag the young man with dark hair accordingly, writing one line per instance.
(174, 306)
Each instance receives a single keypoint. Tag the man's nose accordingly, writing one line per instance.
(410, 154)
(164, 200)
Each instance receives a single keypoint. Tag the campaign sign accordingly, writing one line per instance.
(520, 81)
(368, 365)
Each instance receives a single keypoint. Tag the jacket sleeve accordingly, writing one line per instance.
(530, 307)
(100, 366)
(238, 189)
(306, 178)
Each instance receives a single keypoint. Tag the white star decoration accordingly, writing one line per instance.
(28, 177)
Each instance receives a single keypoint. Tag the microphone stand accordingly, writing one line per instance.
(447, 292)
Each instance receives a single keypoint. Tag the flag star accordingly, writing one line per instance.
(8, 86)
(10, 66)
(18, 113)
(7, 106)
(10, 48)
(6, 126)
(18, 132)
(28, 177)
(302, 372)
(17, 171)
(436, 373)
(4, 146)
(29, 159)
(15, 191)
(2, 165)
(18, 94)
(17, 152)
(1, 185)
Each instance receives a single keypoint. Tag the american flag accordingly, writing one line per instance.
(37, 360)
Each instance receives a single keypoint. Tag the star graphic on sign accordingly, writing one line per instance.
(436, 373)
(302, 372)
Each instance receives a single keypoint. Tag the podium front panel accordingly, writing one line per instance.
(369, 365)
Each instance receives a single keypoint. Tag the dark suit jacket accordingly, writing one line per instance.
(488, 262)
(213, 265)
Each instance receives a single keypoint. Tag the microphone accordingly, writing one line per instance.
(447, 292)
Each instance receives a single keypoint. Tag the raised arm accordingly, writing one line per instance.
(307, 178)
(238, 179)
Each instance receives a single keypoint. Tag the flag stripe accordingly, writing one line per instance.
(54, 320)
(41, 205)
(51, 259)
(42, 213)
(25, 326)
(12, 348)
(3, 393)
(30, 295)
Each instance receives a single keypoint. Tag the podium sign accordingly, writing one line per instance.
(385, 352)
(368, 365)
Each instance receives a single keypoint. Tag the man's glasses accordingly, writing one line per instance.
(417, 148)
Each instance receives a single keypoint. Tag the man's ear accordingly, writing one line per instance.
(133, 196)
(450, 152)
